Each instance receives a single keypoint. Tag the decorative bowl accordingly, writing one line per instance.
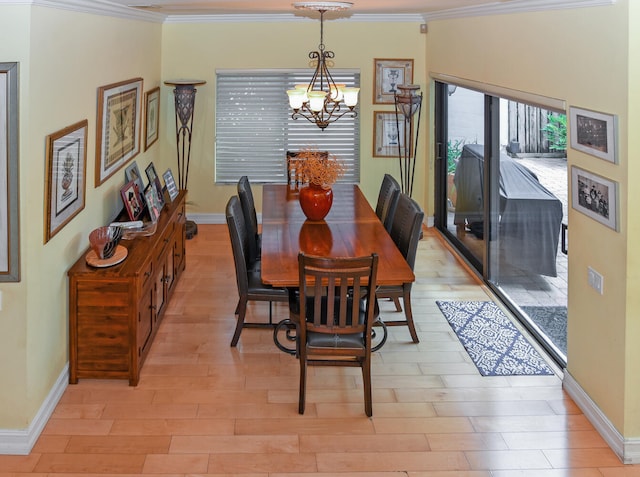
(104, 241)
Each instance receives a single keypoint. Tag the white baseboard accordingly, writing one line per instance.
(209, 218)
(21, 441)
(628, 450)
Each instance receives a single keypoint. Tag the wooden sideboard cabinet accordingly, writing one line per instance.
(114, 312)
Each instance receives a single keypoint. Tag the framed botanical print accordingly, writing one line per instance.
(151, 116)
(66, 177)
(9, 228)
(388, 74)
(117, 126)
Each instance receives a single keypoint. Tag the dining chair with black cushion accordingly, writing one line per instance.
(405, 232)
(250, 286)
(387, 200)
(338, 306)
(251, 219)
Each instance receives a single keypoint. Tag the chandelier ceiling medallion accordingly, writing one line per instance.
(322, 101)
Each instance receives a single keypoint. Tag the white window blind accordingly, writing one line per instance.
(254, 129)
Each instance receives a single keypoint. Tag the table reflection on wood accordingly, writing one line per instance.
(350, 229)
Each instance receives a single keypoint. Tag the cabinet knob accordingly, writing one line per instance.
(147, 274)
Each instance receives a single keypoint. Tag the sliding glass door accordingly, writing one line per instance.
(501, 200)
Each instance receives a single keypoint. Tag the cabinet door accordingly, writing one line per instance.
(160, 287)
(146, 317)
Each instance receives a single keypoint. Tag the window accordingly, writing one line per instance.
(254, 129)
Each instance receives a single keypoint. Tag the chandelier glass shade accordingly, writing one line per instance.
(322, 101)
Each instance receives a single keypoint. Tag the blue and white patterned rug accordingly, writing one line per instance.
(494, 344)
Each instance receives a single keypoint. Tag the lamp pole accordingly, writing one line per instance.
(407, 103)
(185, 96)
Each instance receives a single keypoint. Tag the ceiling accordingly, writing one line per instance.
(423, 8)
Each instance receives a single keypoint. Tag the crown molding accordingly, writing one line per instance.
(96, 7)
(523, 6)
(107, 8)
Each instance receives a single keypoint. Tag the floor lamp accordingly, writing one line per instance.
(407, 102)
(185, 96)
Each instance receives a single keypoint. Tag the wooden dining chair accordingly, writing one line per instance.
(387, 200)
(250, 286)
(251, 220)
(338, 301)
(405, 232)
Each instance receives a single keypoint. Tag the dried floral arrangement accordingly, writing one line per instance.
(319, 168)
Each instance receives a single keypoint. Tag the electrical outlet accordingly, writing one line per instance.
(595, 280)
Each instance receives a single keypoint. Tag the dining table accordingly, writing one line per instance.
(350, 229)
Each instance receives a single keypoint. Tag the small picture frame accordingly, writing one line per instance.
(154, 181)
(170, 184)
(152, 116)
(131, 197)
(117, 126)
(594, 133)
(595, 196)
(132, 173)
(66, 176)
(388, 134)
(153, 203)
(388, 74)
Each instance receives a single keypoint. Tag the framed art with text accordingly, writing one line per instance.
(388, 74)
(595, 197)
(9, 229)
(151, 116)
(65, 177)
(594, 133)
(117, 126)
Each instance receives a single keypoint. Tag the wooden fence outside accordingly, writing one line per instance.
(526, 136)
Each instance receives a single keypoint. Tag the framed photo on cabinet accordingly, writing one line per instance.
(66, 177)
(132, 200)
(9, 228)
(388, 74)
(154, 181)
(151, 116)
(170, 184)
(117, 126)
(595, 196)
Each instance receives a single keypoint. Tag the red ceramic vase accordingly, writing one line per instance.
(315, 201)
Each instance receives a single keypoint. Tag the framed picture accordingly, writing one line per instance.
(131, 197)
(595, 196)
(388, 134)
(594, 133)
(152, 116)
(170, 184)
(153, 205)
(9, 230)
(154, 181)
(117, 126)
(66, 177)
(388, 74)
(132, 173)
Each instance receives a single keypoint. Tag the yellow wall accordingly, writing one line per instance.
(584, 56)
(580, 56)
(196, 50)
(64, 57)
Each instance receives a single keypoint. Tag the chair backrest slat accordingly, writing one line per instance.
(332, 292)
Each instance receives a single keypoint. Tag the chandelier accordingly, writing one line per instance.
(322, 101)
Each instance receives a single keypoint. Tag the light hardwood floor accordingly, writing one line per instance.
(203, 408)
